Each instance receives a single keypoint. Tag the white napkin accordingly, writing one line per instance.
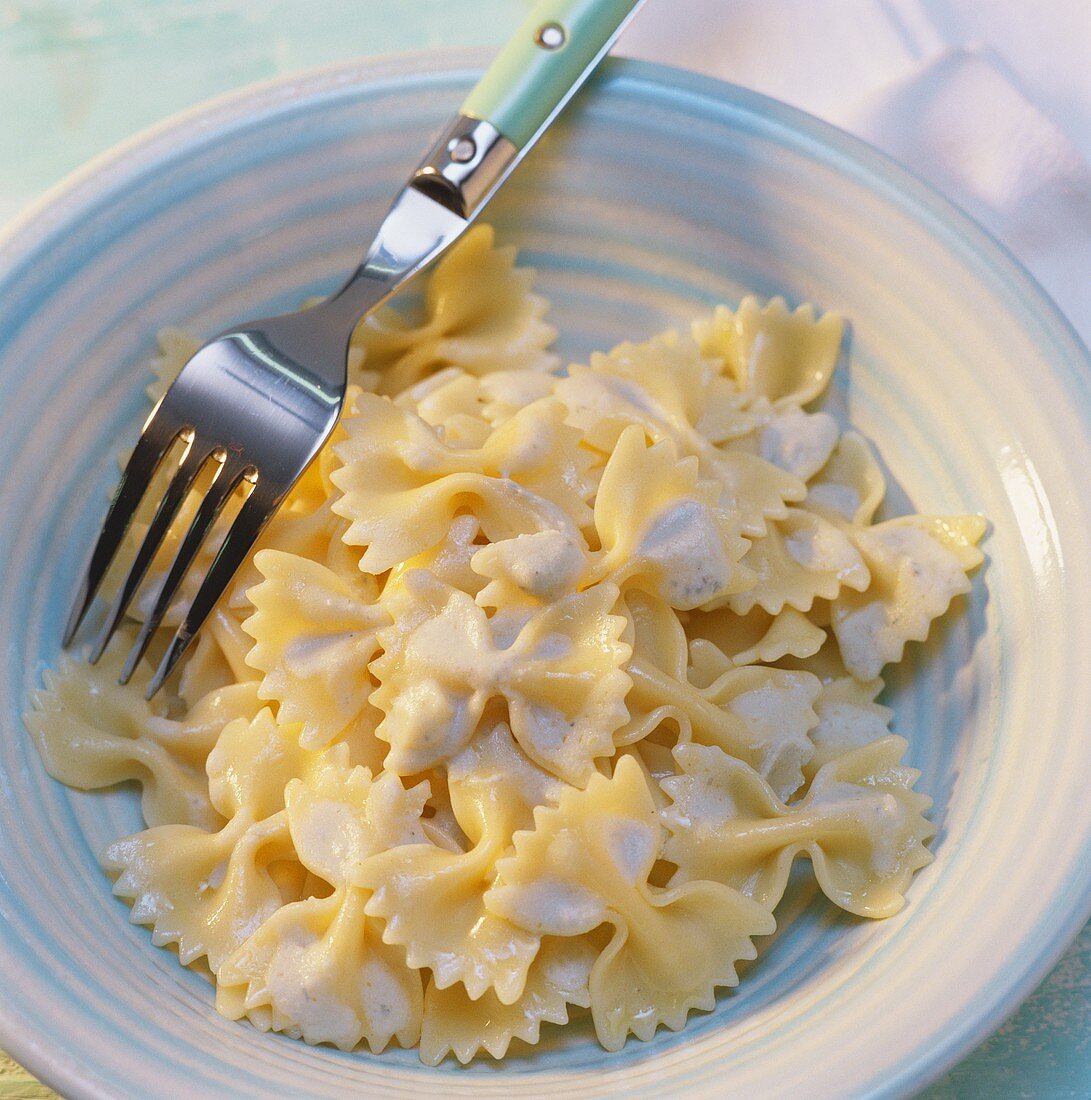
(899, 74)
(968, 130)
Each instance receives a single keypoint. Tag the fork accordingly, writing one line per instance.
(253, 407)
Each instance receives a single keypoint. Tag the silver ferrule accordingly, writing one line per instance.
(467, 163)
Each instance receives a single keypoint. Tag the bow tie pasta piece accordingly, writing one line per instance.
(92, 733)
(558, 977)
(861, 824)
(451, 402)
(664, 386)
(799, 442)
(539, 451)
(478, 314)
(760, 715)
(875, 792)
(777, 708)
(603, 404)
(659, 648)
(754, 490)
(850, 487)
(319, 968)
(252, 763)
(586, 863)
(565, 682)
(402, 486)
(433, 675)
(664, 532)
(432, 901)
(448, 561)
(561, 678)
(534, 448)
(506, 392)
(527, 573)
(340, 817)
(315, 632)
(671, 379)
(392, 460)
(801, 558)
(918, 565)
(216, 660)
(721, 640)
(464, 408)
(495, 787)
(785, 356)
(848, 718)
(207, 891)
(313, 535)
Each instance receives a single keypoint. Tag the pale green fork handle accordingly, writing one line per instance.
(544, 63)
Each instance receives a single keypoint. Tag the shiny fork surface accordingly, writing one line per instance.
(256, 404)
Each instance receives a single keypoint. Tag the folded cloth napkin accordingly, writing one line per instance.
(964, 126)
(888, 72)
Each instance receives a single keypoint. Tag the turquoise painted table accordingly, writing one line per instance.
(78, 75)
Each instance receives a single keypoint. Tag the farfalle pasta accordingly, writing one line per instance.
(537, 687)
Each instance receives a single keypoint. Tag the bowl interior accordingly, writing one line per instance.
(661, 195)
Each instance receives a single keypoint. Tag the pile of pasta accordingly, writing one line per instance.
(537, 687)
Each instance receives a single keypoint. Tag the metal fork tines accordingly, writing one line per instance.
(234, 424)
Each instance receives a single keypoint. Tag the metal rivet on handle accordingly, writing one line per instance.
(462, 150)
(550, 36)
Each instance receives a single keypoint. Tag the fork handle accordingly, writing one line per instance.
(542, 65)
(534, 76)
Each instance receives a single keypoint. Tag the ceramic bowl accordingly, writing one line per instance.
(661, 194)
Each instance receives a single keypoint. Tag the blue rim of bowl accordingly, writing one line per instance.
(80, 191)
